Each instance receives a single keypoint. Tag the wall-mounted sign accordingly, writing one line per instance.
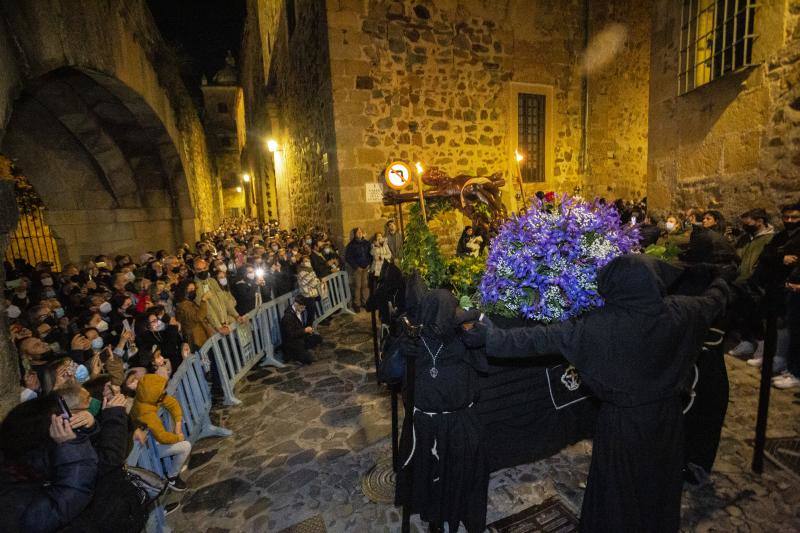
(374, 193)
(398, 175)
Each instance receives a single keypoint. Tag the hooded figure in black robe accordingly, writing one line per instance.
(443, 474)
(635, 353)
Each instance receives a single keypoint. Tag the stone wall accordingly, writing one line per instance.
(299, 84)
(433, 82)
(618, 65)
(137, 99)
(730, 144)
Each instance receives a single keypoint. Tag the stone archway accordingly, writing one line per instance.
(101, 160)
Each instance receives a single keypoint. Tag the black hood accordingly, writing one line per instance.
(437, 314)
(636, 283)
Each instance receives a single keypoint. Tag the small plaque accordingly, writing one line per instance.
(374, 193)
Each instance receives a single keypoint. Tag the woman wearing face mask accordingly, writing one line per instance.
(192, 314)
(674, 235)
(162, 331)
(310, 287)
(20, 298)
(380, 252)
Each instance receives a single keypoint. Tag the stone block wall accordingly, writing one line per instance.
(730, 144)
(432, 82)
(299, 81)
(618, 65)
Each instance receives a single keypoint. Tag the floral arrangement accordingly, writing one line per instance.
(543, 265)
(421, 250)
(464, 275)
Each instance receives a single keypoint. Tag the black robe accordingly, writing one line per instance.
(635, 353)
(443, 474)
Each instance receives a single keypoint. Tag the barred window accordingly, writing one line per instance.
(717, 37)
(530, 136)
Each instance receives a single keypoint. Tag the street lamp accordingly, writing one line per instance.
(272, 145)
(239, 189)
(246, 177)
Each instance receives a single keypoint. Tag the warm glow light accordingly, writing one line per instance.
(238, 189)
(419, 167)
(246, 178)
(518, 156)
(272, 145)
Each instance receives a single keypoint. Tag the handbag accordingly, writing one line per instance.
(149, 485)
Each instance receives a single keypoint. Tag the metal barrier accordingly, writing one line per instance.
(260, 336)
(234, 355)
(189, 386)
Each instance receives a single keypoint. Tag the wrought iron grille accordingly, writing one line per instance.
(33, 241)
(717, 37)
(530, 136)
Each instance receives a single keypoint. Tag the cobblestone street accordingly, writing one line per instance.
(304, 437)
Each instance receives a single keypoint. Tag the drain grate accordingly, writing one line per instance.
(550, 515)
(378, 484)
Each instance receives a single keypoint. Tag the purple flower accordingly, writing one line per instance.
(543, 265)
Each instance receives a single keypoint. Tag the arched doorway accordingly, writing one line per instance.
(102, 162)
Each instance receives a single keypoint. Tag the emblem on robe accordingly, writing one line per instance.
(571, 379)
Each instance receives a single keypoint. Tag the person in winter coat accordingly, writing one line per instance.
(250, 291)
(150, 396)
(192, 315)
(380, 253)
(394, 240)
(297, 334)
(310, 287)
(49, 470)
(358, 257)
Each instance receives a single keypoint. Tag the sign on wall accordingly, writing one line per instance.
(397, 175)
(374, 193)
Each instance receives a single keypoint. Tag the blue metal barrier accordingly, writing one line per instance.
(234, 356)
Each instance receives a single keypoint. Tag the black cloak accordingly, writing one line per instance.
(635, 353)
(443, 474)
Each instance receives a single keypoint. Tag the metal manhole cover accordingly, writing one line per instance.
(378, 483)
(550, 515)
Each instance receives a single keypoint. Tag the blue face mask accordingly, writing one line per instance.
(82, 374)
(59, 312)
(97, 344)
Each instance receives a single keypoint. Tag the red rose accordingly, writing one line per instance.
(549, 196)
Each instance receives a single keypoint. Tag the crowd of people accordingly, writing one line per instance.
(99, 341)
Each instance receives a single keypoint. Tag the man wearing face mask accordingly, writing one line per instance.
(221, 308)
(318, 261)
(297, 334)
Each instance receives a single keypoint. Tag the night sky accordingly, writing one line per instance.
(203, 30)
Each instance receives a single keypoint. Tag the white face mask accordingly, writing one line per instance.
(47, 282)
(130, 276)
(669, 226)
(104, 308)
(101, 326)
(223, 281)
(13, 311)
(251, 275)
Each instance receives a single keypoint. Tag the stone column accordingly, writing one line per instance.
(9, 368)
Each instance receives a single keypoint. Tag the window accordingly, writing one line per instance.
(222, 108)
(291, 21)
(717, 37)
(531, 136)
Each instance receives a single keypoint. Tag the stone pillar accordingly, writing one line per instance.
(9, 369)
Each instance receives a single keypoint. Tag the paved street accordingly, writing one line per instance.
(304, 438)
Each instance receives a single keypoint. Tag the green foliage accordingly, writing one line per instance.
(464, 274)
(666, 252)
(421, 251)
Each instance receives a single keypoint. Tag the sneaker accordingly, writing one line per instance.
(743, 349)
(177, 484)
(788, 381)
(755, 361)
(779, 376)
(171, 507)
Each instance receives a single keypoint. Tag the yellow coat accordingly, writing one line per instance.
(150, 395)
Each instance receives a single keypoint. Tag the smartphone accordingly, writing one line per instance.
(62, 406)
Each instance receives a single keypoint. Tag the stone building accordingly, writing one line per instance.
(587, 91)
(94, 113)
(223, 118)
